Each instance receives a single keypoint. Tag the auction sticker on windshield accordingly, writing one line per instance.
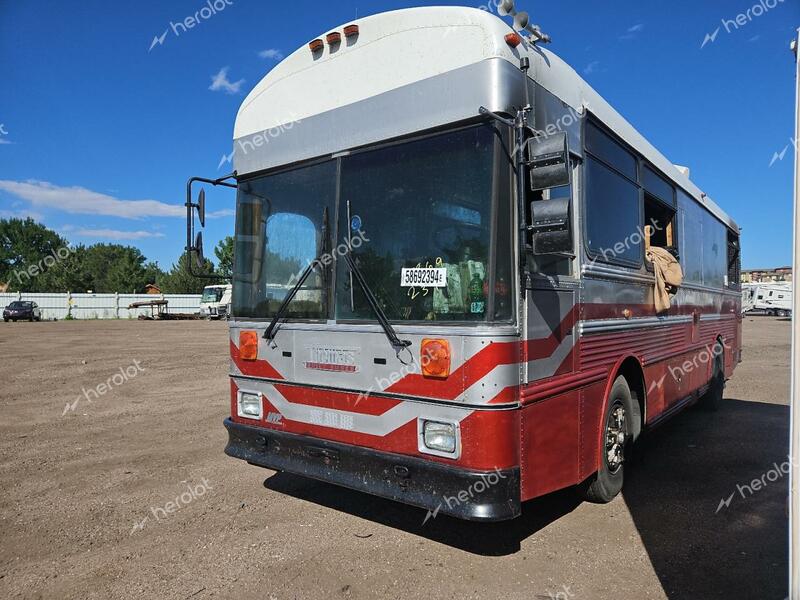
(423, 277)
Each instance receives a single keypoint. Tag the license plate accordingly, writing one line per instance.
(424, 277)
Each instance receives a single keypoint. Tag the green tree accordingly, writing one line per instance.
(178, 280)
(70, 275)
(224, 253)
(27, 251)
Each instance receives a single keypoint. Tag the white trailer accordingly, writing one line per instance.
(774, 299)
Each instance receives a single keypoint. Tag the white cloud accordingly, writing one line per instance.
(112, 234)
(220, 82)
(5, 141)
(218, 214)
(591, 67)
(80, 201)
(632, 31)
(272, 54)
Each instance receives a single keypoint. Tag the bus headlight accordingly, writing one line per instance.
(439, 436)
(249, 405)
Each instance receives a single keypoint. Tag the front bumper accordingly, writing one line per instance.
(465, 494)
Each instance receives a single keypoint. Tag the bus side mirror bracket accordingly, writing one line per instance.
(194, 244)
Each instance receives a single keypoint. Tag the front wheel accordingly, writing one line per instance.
(603, 486)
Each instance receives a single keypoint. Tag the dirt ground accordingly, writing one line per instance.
(128, 493)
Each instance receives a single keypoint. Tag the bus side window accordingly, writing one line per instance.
(734, 260)
(659, 211)
(659, 224)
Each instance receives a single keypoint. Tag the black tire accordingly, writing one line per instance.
(712, 399)
(603, 486)
(4, 319)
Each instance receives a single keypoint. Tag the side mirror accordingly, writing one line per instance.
(197, 251)
(548, 161)
(201, 208)
(551, 227)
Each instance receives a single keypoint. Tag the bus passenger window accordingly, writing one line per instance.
(734, 260)
(659, 224)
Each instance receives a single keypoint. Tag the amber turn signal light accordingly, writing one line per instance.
(248, 345)
(513, 39)
(434, 356)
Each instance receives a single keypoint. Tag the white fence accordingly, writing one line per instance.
(101, 306)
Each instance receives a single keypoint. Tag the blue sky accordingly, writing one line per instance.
(93, 118)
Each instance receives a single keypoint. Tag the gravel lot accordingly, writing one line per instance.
(130, 495)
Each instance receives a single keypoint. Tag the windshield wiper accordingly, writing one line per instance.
(272, 330)
(396, 342)
(269, 334)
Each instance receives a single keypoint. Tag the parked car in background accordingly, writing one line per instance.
(22, 310)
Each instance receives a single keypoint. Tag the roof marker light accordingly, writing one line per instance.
(316, 45)
(333, 38)
(351, 31)
(513, 39)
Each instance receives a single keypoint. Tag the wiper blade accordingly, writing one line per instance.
(396, 342)
(269, 334)
(272, 330)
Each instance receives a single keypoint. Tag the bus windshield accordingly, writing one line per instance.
(426, 221)
(212, 294)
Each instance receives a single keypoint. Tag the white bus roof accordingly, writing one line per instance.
(398, 49)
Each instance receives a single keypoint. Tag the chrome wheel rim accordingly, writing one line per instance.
(616, 436)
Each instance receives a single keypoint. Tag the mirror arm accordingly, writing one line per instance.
(520, 127)
(190, 206)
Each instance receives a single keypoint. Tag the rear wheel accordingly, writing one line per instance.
(604, 485)
(712, 399)
(783, 313)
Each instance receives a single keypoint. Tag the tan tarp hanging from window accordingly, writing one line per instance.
(669, 276)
